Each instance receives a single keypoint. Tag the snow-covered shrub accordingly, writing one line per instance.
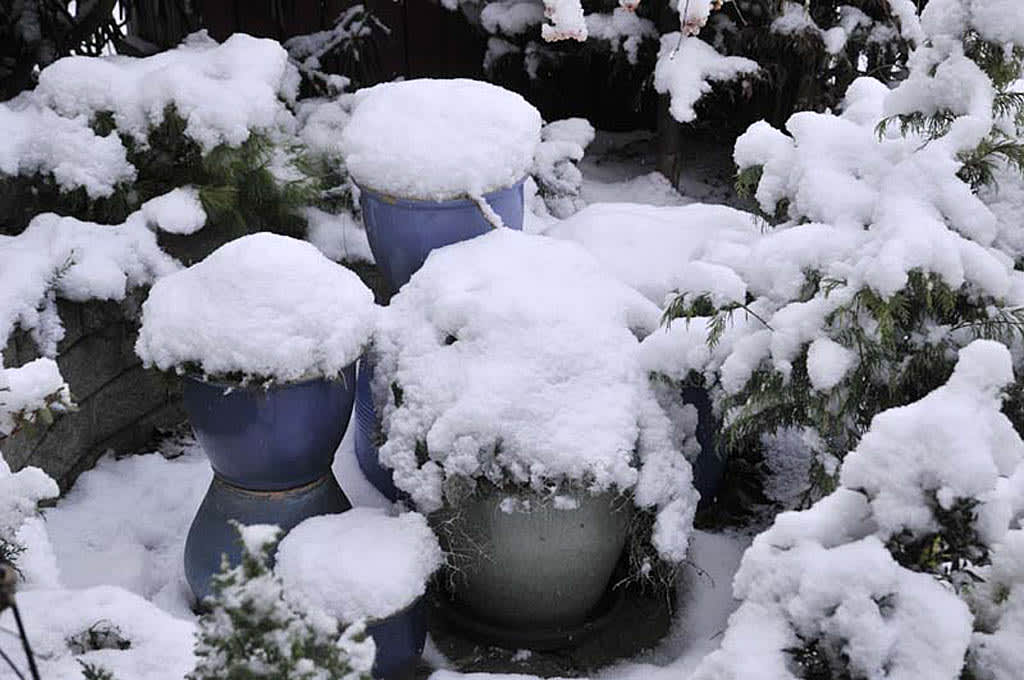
(261, 308)
(512, 359)
(98, 137)
(253, 630)
(554, 164)
(834, 592)
(20, 493)
(885, 261)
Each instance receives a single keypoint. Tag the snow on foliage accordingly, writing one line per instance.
(513, 358)
(566, 21)
(382, 569)
(39, 141)
(28, 390)
(264, 305)
(685, 68)
(222, 90)
(20, 493)
(64, 257)
(833, 585)
(252, 629)
(159, 645)
(439, 139)
(554, 169)
(622, 30)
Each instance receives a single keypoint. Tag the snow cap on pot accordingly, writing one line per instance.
(264, 307)
(512, 358)
(433, 139)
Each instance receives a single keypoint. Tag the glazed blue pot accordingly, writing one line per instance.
(270, 439)
(402, 232)
(271, 451)
(210, 536)
(399, 639)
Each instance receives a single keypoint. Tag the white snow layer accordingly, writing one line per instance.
(515, 356)
(360, 564)
(686, 66)
(439, 139)
(263, 305)
(177, 212)
(160, 646)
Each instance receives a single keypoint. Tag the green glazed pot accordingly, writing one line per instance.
(519, 561)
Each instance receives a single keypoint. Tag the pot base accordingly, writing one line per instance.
(210, 535)
(463, 621)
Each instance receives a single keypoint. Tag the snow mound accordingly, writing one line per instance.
(361, 564)
(160, 645)
(222, 90)
(439, 139)
(657, 250)
(263, 305)
(179, 211)
(513, 357)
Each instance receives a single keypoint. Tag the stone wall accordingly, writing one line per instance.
(121, 405)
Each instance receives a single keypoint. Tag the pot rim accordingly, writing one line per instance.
(448, 203)
(252, 383)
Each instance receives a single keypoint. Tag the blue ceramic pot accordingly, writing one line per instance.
(271, 451)
(402, 232)
(271, 439)
(399, 639)
(210, 535)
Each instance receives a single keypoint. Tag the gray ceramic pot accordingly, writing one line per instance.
(537, 565)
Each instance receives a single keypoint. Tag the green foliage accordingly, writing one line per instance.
(252, 631)
(91, 671)
(949, 553)
(815, 659)
(10, 550)
(899, 359)
(237, 184)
